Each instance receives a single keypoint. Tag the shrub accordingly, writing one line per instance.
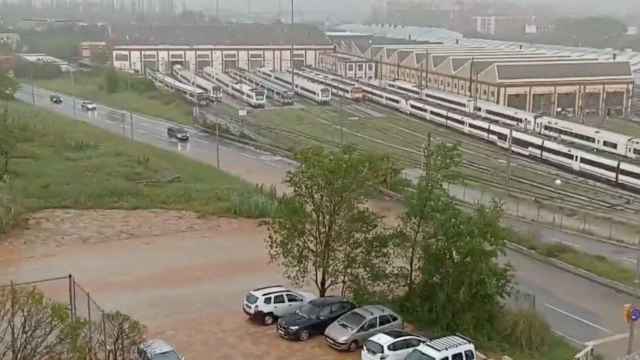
(254, 204)
(525, 330)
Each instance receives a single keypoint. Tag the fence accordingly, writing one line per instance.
(65, 290)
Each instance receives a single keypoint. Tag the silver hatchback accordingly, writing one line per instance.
(352, 329)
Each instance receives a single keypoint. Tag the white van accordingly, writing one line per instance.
(446, 348)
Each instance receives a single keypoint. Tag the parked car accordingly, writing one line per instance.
(267, 304)
(56, 99)
(313, 318)
(352, 329)
(450, 347)
(177, 133)
(88, 105)
(391, 345)
(157, 350)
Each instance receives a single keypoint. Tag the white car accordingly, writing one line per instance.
(88, 106)
(455, 347)
(391, 345)
(269, 303)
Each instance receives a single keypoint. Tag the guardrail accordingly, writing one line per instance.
(587, 354)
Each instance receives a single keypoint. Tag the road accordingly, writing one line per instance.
(574, 307)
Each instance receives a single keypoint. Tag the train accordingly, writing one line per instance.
(193, 94)
(255, 97)
(597, 139)
(339, 86)
(588, 163)
(318, 93)
(278, 93)
(214, 91)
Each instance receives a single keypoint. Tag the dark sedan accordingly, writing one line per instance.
(313, 318)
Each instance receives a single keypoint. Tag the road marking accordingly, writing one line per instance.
(607, 339)
(568, 337)
(575, 317)
(629, 259)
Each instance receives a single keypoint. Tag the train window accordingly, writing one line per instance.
(590, 162)
(558, 153)
(350, 67)
(610, 144)
(636, 151)
(628, 173)
(521, 143)
(370, 67)
(360, 67)
(455, 86)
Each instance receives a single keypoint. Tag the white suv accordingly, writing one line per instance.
(271, 302)
(450, 347)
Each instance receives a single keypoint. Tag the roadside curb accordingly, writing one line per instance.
(574, 270)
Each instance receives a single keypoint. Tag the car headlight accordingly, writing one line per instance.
(294, 328)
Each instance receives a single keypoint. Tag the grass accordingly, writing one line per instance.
(595, 264)
(149, 101)
(61, 163)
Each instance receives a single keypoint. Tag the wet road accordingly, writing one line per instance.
(575, 308)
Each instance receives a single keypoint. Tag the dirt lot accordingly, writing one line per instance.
(182, 275)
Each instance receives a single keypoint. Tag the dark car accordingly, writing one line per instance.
(56, 99)
(177, 133)
(313, 318)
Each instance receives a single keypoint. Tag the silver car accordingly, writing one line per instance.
(352, 329)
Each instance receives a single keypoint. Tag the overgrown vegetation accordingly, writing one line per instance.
(122, 91)
(595, 264)
(61, 163)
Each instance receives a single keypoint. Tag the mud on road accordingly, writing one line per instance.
(180, 274)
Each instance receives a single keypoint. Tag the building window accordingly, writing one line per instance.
(370, 67)
(455, 86)
(493, 93)
(350, 67)
(148, 56)
(229, 56)
(255, 56)
(176, 57)
(360, 67)
(203, 56)
(461, 87)
(484, 92)
(122, 57)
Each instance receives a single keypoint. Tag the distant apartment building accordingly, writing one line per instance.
(504, 25)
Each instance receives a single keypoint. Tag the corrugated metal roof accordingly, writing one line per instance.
(543, 71)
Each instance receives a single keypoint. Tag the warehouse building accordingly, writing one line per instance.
(532, 80)
(247, 46)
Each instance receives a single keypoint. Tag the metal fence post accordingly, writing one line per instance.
(518, 207)
(71, 296)
(89, 324)
(538, 210)
(610, 229)
(12, 299)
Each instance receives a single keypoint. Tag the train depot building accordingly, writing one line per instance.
(534, 81)
(222, 47)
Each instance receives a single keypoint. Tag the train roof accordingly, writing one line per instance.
(299, 80)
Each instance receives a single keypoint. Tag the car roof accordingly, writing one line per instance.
(448, 342)
(374, 310)
(326, 300)
(156, 346)
(269, 290)
(387, 337)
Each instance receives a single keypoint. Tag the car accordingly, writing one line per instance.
(177, 133)
(268, 304)
(88, 105)
(352, 329)
(56, 99)
(313, 318)
(456, 347)
(157, 350)
(390, 345)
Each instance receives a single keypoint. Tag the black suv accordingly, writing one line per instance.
(313, 318)
(177, 133)
(56, 99)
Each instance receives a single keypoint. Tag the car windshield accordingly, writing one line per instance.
(251, 299)
(309, 311)
(373, 347)
(418, 355)
(171, 355)
(353, 320)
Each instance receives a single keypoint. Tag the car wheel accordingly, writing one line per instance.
(268, 319)
(353, 346)
(304, 335)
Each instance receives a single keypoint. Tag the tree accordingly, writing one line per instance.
(430, 197)
(111, 81)
(33, 327)
(323, 231)
(7, 142)
(123, 334)
(8, 87)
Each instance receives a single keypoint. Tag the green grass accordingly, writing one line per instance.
(152, 102)
(61, 163)
(595, 264)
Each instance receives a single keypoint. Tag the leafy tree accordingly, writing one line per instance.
(323, 231)
(416, 228)
(7, 142)
(123, 334)
(33, 327)
(8, 87)
(111, 81)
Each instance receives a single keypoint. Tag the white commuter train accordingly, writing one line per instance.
(319, 93)
(588, 163)
(214, 91)
(342, 87)
(191, 93)
(254, 97)
(599, 139)
(279, 93)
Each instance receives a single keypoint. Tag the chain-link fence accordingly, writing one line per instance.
(81, 305)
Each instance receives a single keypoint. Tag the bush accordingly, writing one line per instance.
(254, 204)
(525, 330)
(111, 81)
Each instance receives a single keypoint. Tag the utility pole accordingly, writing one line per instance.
(33, 90)
(471, 78)
(73, 86)
(426, 69)
(293, 70)
(131, 123)
(509, 157)
(217, 145)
